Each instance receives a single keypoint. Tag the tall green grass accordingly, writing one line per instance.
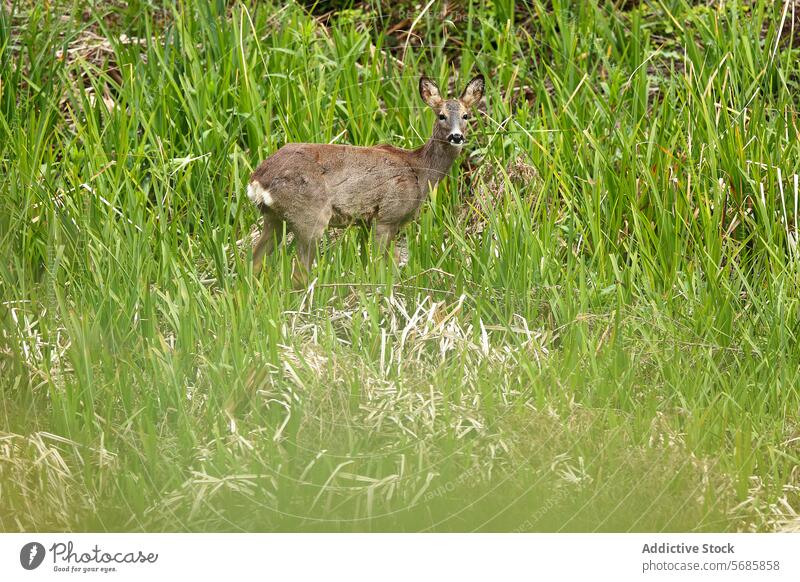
(596, 328)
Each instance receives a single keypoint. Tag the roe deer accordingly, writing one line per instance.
(313, 186)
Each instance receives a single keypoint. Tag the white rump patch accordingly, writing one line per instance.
(258, 194)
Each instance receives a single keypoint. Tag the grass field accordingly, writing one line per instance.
(596, 328)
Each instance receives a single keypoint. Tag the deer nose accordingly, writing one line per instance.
(455, 138)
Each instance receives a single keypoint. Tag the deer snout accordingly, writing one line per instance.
(456, 138)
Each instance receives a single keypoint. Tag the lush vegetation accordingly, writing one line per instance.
(596, 328)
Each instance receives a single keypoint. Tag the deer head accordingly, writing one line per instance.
(452, 115)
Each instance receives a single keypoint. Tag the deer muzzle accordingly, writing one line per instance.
(456, 138)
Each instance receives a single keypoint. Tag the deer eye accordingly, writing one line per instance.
(465, 116)
(442, 117)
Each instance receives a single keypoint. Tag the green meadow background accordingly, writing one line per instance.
(595, 330)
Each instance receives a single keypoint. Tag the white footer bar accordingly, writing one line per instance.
(401, 557)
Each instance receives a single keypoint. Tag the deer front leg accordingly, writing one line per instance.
(384, 234)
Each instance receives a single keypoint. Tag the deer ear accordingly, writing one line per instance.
(473, 92)
(429, 92)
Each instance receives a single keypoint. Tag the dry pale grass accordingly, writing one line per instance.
(491, 181)
(44, 471)
(401, 420)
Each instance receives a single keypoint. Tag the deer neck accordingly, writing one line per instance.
(434, 160)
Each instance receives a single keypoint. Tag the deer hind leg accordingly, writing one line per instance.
(306, 252)
(307, 233)
(271, 234)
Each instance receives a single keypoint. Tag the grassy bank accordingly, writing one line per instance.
(596, 328)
